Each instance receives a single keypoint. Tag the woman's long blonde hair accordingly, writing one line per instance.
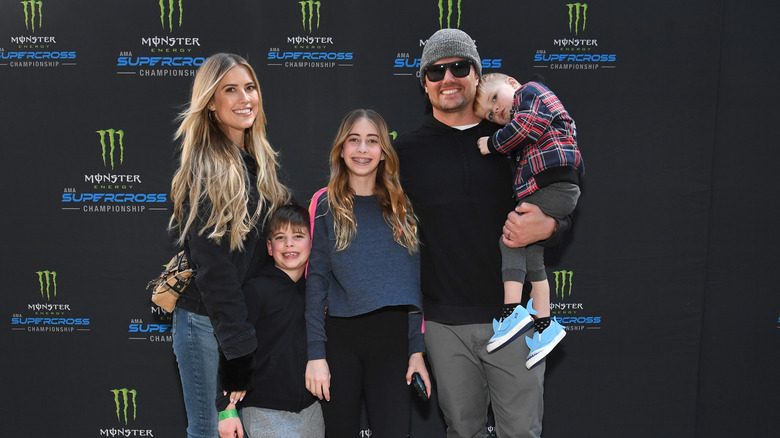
(396, 208)
(212, 175)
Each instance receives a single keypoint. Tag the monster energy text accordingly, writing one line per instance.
(569, 43)
(110, 178)
(33, 40)
(300, 40)
(46, 308)
(169, 41)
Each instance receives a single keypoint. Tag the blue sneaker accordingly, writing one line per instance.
(508, 328)
(542, 343)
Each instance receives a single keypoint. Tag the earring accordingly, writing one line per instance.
(212, 117)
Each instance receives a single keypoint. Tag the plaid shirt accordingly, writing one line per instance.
(543, 131)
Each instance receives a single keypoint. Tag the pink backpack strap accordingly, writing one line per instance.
(312, 209)
(313, 206)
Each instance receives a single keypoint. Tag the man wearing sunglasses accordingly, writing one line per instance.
(462, 200)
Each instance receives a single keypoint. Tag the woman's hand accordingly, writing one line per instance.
(318, 378)
(417, 365)
(236, 396)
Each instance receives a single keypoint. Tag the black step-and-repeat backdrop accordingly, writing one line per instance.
(667, 286)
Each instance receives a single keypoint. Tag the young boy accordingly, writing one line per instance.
(278, 404)
(542, 140)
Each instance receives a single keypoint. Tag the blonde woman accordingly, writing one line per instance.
(365, 271)
(223, 192)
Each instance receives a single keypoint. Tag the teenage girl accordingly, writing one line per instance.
(363, 298)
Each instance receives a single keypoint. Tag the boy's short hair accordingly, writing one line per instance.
(294, 216)
(485, 81)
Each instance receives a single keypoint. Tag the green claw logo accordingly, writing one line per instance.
(32, 9)
(313, 8)
(48, 282)
(449, 12)
(563, 283)
(170, 13)
(114, 137)
(577, 10)
(123, 404)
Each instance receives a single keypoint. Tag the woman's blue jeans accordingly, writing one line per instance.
(196, 352)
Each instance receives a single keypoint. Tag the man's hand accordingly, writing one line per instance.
(527, 225)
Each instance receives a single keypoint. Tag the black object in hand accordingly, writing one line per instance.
(419, 386)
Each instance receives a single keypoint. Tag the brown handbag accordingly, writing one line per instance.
(171, 283)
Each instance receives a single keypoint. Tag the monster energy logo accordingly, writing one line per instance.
(48, 282)
(122, 405)
(30, 8)
(563, 283)
(314, 7)
(449, 13)
(112, 140)
(170, 13)
(575, 11)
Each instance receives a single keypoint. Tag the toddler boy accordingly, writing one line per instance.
(541, 138)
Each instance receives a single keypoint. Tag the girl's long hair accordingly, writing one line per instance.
(396, 208)
(211, 185)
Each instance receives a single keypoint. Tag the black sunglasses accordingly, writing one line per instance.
(459, 69)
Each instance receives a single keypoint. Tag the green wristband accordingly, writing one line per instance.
(229, 413)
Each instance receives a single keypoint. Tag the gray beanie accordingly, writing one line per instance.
(449, 43)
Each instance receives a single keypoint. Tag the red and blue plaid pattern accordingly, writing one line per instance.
(541, 136)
